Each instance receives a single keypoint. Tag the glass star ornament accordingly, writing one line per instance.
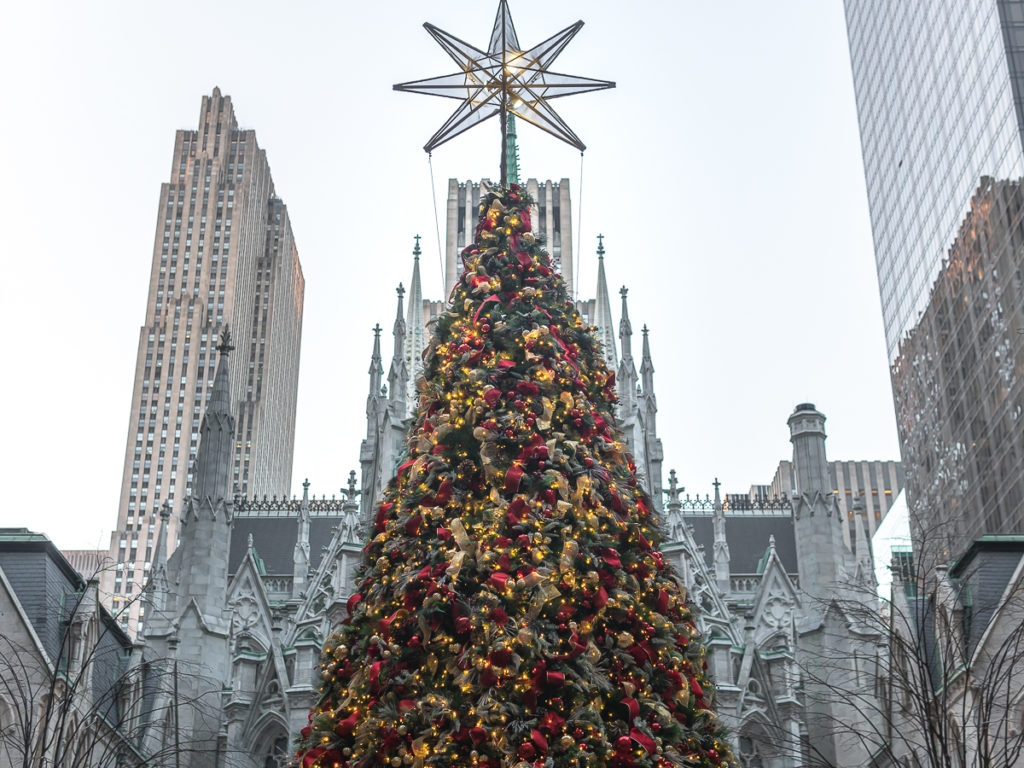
(504, 79)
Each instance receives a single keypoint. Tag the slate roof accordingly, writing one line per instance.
(274, 540)
(985, 571)
(48, 589)
(747, 535)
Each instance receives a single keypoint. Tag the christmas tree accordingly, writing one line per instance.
(513, 610)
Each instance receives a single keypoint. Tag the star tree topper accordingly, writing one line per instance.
(504, 80)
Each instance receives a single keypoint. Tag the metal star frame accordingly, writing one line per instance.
(504, 80)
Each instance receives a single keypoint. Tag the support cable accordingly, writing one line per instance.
(579, 228)
(437, 221)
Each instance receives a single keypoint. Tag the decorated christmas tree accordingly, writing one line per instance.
(513, 610)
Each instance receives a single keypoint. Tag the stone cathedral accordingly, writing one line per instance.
(254, 585)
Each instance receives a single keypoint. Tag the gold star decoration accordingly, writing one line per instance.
(504, 80)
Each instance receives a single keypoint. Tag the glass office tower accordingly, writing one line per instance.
(938, 86)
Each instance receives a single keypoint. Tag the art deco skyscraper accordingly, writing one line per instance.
(940, 98)
(223, 255)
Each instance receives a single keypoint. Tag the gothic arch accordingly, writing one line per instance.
(271, 746)
(248, 641)
(775, 642)
(759, 743)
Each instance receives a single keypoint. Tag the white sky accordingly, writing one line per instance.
(893, 531)
(724, 171)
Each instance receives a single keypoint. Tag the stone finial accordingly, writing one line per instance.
(224, 347)
(625, 327)
(376, 369)
(673, 485)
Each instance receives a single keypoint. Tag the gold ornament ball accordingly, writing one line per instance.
(396, 761)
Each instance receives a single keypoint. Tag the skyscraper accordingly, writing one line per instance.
(940, 98)
(223, 256)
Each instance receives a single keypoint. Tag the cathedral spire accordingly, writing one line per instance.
(300, 555)
(202, 570)
(158, 587)
(721, 554)
(399, 374)
(673, 520)
(625, 328)
(160, 553)
(376, 368)
(415, 328)
(213, 465)
(372, 447)
(647, 367)
(821, 553)
(603, 311)
(626, 379)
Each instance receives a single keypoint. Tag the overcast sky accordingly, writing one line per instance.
(724, 172)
